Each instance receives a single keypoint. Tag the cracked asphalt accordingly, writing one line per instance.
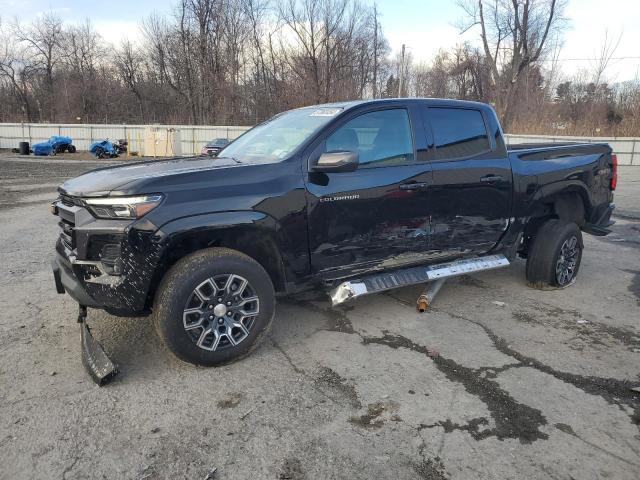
(495, 381)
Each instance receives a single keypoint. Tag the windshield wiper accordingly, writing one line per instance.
(231, 158)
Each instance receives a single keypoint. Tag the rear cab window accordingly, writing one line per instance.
(381, 138)
(458, 133)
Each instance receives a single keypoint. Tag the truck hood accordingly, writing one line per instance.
(104, 181)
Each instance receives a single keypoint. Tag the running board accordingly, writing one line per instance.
(410, 276)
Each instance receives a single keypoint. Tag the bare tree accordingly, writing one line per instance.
(606, 53)
(514, 35)
(129, 62)
(241, 61)
(82, 52)
(17, 72)
(42, 39)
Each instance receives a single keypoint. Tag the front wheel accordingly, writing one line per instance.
(214, 306)
(554, 258)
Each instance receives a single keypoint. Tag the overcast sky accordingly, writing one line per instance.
(425, 26)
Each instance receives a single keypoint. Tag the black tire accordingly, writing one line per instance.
(71, 149)
(99, 153)
(178, 289)
(554, 258)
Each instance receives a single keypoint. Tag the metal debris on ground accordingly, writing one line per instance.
(211, 473)
(429, 294)
(499, 304)
(246, 414)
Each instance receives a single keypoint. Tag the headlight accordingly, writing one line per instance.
(123, 207)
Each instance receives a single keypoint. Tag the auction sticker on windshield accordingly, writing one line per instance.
(325, 112)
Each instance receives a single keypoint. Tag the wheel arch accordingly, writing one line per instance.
(570, 204)
(568, 201)
(251, 233)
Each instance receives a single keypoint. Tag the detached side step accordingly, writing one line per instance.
(410, 276)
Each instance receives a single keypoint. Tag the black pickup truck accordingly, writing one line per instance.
(354, 198)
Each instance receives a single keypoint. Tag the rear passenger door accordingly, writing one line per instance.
(470, 199)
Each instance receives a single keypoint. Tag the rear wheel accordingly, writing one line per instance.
(214, 306)
(71, 149)
(554, 258)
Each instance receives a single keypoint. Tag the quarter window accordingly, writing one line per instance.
(458, 132)
(381, 138)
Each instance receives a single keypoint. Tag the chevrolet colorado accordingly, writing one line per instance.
(354, 197)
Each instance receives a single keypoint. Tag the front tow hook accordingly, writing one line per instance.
(95, 360)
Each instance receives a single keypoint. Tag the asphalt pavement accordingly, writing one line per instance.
(496, 381)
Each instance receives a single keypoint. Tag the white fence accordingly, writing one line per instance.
(626, 148)
(193, 137)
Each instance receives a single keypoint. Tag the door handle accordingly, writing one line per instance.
(491, 179)
(414, 186)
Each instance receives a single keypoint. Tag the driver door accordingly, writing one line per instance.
(376, 216)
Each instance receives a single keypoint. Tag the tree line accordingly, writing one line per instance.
(237, 62)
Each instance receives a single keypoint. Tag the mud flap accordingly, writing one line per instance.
(95, 360)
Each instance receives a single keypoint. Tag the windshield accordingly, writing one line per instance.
(275, 139)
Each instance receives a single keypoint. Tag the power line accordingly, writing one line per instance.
(586, 59)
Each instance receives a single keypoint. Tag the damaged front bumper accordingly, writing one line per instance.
(66, 282)
(106, 264)
(94, 359)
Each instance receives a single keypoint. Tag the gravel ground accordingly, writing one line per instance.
(496, 381)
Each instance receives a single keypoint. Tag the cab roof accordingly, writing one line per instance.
(440, 102)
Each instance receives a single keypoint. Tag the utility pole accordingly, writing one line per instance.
(375, 50)
(401, 81)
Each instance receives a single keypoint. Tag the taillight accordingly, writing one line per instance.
(614, 177)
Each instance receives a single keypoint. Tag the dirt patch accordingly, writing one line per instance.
(589, 332)
(470, 281)
(231, 401)
(431, 469)
(330, 378)
(634, 286)
(340, 323)
(291, 470)
(524, 317)
(377, 415)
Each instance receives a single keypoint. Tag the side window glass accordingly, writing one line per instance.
(381, 138)
(458, 133)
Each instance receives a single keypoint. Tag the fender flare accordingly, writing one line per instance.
(214, 221)
(208, 229)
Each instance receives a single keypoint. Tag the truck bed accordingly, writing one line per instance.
(543, 151)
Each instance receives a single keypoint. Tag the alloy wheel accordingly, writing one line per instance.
(566, 263)
(220, 312)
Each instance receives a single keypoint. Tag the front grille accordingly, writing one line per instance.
(67, 200)
(66, 212)
(66, 235)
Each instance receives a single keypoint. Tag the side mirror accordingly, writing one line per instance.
(336, 162)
